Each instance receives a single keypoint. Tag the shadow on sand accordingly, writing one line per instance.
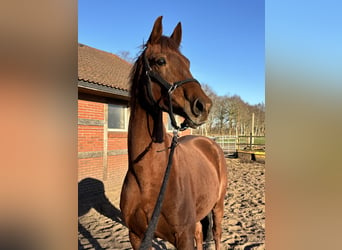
(91, 194)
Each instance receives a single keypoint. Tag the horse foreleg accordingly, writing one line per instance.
(185, 238)
(135, 240)
(199, 236)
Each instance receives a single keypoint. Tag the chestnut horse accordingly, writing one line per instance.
(161, 81)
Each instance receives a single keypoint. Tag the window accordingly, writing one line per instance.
(169, 126)
(117, 117)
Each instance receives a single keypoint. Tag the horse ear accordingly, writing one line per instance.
(177, 34)
(156, 31)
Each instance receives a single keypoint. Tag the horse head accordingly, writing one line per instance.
(169, 82)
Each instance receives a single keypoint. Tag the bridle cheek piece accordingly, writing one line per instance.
(170, 88)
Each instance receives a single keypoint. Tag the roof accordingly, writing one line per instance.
(100, 68)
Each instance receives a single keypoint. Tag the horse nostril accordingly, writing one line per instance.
(198, 107)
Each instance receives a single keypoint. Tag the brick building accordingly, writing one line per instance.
(103, 114)
(103, 99)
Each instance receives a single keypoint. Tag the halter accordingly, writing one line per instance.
(154, 76)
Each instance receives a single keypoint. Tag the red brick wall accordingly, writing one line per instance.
(90, 110)
(90, 167)
(91, 129)
(117, 140)
(117, 164)
(90, 138)
(117, 168)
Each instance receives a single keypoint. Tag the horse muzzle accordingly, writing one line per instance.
(199, 111)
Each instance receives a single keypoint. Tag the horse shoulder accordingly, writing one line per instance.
(130, 196)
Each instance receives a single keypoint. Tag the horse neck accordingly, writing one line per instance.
(140, 135)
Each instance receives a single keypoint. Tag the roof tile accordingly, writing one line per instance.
(103, 68)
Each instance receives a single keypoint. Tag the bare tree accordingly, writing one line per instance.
(126, 55)
(208, 126)
(231, 115)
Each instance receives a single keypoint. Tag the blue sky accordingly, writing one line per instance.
(224, 40)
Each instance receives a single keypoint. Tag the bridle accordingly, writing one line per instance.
(155, 77)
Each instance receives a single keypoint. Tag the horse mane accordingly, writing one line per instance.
(135, 76)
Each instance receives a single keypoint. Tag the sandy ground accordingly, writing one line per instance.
(100, 225)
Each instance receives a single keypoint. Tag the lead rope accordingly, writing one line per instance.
(149, 234)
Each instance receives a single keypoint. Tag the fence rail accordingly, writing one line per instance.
(227, 143)
(250, 142)
(231, 144)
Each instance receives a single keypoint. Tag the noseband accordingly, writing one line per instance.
(155, 77)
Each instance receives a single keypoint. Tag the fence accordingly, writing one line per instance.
(251, 142)
(231, 144)
(228, 144)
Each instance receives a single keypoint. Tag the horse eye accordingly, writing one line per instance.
(161, 61)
